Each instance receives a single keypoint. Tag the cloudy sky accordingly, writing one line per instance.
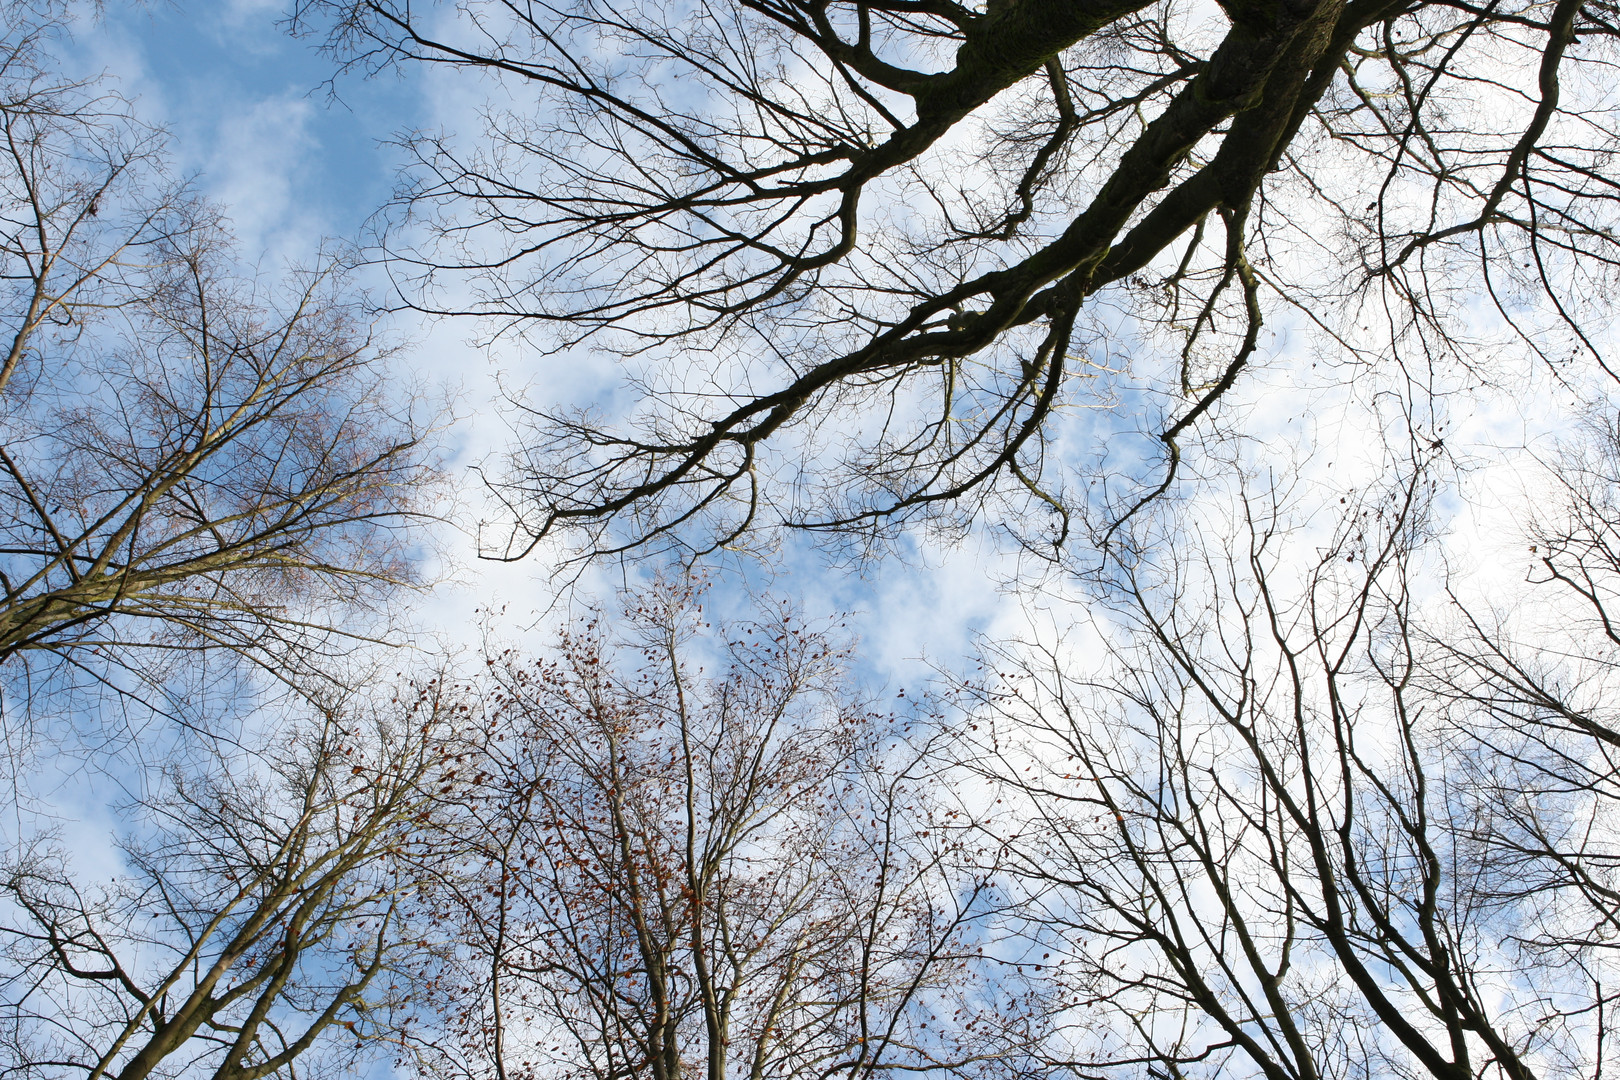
(298, 161)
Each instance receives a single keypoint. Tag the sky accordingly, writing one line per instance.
(299, 162)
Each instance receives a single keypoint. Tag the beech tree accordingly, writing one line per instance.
(262, 921)
(862, 253)
(687, 855)
(1304, 820)
(190, 459)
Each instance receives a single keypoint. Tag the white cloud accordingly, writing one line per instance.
(257, 154)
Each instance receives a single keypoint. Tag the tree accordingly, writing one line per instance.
(189, 459)
(671, 873)
(865, 253)
(263, 923)
(1537, 683)
(1301, 824)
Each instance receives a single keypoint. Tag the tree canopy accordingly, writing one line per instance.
(192, 459)
(1305, 775)
(862, 255)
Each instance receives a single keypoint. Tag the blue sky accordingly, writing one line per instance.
(297, 161)
(254, 117)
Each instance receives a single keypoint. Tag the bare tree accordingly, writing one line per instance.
(1267, 835)
(675, 874)
(1537, 683)
(189, 459)
(864, 252)
(260, 925)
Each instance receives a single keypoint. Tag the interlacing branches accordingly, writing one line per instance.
(189, 460)
(863, 254)
(263, 924)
